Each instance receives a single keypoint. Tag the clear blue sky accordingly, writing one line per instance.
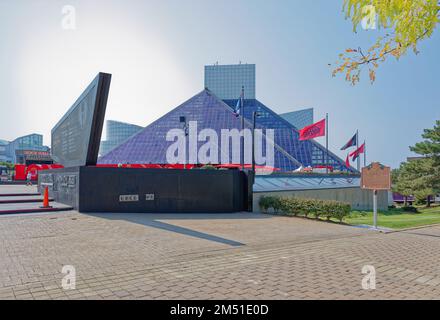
(156, 51)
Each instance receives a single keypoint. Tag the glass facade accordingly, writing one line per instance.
(299, 119)
(150, 145)
(299, 183)
(117, 133)
(3, 144)
(226, 81)
(308, 153)
(32, 142)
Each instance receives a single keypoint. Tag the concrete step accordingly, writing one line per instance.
(18, 194)
(14, 208)
(22, 199)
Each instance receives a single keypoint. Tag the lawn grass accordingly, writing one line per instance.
(397, 218)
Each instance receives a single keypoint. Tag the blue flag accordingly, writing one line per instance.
(238, 107)
(239, 103)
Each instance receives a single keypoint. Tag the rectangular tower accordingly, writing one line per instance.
(299, 119)
(226, 81)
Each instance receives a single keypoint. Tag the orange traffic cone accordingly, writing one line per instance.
(46, 199)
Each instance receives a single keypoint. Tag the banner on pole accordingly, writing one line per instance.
(313, 131)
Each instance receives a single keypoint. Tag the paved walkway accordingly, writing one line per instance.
(21, 199)
(15, 189)
(242, 256)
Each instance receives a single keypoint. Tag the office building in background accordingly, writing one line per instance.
(23, 148)
(3, 144)
(226, 81)
(116, 133)
(299, 119)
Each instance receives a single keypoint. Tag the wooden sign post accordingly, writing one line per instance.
(376, 177)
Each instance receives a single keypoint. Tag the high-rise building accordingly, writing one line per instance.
(117, 133)
(299, 119)
(226, 81)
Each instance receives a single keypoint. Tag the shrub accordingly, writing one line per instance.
(410, 209)
(340, 210)
(318, 208)
(264, 203)
(268, 202)
(291, 206)
(296, 206)
(276, 204)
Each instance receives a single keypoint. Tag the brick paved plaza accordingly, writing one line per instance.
(241, 256)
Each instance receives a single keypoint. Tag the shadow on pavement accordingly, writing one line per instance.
(152, 220)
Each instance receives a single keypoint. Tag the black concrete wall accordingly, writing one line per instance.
(100, 190)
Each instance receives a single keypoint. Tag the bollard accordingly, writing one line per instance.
(46, 199)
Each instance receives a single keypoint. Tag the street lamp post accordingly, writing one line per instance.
(254, 120)
(185, 130)
(242, 128)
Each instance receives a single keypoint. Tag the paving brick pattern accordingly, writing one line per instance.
(244, 256)
(13, 189)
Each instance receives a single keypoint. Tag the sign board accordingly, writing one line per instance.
(33, 153)
(376, 177)
(149, 197)
(76, 137)
(129, 198)
(25, 156)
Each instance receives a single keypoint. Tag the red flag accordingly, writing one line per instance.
(347, 161)
(355, 154)
(313, 131)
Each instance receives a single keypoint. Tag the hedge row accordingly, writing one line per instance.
(306, 207)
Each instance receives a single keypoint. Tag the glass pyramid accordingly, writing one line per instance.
(150, 146)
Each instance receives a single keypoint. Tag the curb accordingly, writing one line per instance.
(415, 228)
(23, 201)
(35, 210)
(18, 194)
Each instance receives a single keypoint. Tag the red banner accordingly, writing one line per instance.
(313, 131)
(355, 154)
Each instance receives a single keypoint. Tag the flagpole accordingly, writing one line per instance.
(326, 141)
(365, 154)
(357, 147)
(242, 127)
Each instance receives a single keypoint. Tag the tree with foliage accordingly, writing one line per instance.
(400, 185)
(421, 177)
(430, 148)
(405, 23)
(7, 165)
(418, 177)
